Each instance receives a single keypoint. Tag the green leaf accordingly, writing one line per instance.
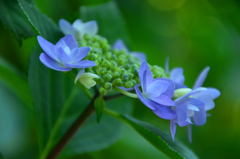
(41, 23)
(95, 136)
(110, 21)
(157, 138)
(49, 88)
(12, 17)
(16, 82)
(99, 105)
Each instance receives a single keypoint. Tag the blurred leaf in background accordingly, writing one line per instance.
(192, 33)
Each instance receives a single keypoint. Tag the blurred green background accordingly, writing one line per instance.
(193, 34)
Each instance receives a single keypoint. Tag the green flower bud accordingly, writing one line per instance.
(102, 91)
(108, 85)
(117, 82)
(129, 84)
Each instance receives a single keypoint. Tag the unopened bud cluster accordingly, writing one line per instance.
(116, 68)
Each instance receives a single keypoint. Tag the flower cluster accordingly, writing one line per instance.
(114, 67)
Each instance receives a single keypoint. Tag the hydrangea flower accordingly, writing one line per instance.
(119, 45)
(78, 28)
(65, 55)
(193, 104)
(156, 94)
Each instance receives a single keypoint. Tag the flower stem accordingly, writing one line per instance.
(129, 94)
(72, 130)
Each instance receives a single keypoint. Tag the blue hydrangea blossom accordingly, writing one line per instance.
(65, 55)
(192, 107)
(156, 94)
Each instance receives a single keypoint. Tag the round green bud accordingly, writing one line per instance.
(129, 84)
(108, 85)
(102, 91)
(107, 76)
(117, 82)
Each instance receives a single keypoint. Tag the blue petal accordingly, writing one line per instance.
(141, 56)
(207, 96)
(192, 93)
(163, 100)
(181, 111)
(91, 27)
(82, 64)
(157, 87)
(66, 27)
(119, 45)
(177, 76)
(67, 41)
(145, 101)
(47, 47)
(145, 75)
(201, 78)
(85, 28)
(169, 92)
(165, 112)
(62, 56)
(47, 61)
(173, 128)
(200, 116)
(78, 54)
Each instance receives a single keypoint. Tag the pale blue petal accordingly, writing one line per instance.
(67, 41)
(201, 78)
(141, 56)
(169, 92)
(192, 93)
(165, 112)
(181, 111)
(47, 61)
(200, 116)
(78, 54)
(145, 101)
(86, 28)
(157, 87)
(47, 47)
(90, 28)
(119, 45)
(173, 128)
(163, 100)
(207, 96)
(145, 75)
(177, 76)
(82, 64)
(66, 27)
(62, 56)
(78, 24)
